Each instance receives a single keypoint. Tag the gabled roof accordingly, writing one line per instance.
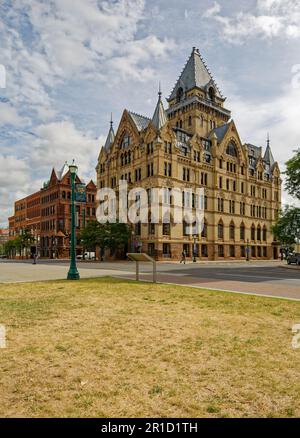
(221, 131)
(141, 122)
(159, 117)
(62, 172)
(195, 74)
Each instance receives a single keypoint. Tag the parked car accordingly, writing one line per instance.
(294, 258)
(87, 256)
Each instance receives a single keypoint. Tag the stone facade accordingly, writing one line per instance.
(193, 144)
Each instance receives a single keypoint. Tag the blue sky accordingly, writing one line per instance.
(70, 63)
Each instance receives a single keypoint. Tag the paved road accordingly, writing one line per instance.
(261, 278)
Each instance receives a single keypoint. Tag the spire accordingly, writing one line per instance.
(159, 117)
(195, 74)
(111, 136)
(268, 157)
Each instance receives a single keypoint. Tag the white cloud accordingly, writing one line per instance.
(279, 116)
(9, 115)
(58, 142)
(271, 18)
(72, 39)
(14, 178)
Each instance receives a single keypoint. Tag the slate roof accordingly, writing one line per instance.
(110, 138)
(221, 131)
(268, 157)
(195, 74)
(159, 117)
(141, 122)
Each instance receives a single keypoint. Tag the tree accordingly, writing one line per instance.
(26, 239)
(11, 247)
(112, 236)
(292, 173)
(117, 236)
(287, 227)
(91, 236)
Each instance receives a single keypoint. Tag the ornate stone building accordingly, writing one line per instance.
(192, 144)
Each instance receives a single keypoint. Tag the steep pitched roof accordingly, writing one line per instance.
(159, 118)
(221, 131)
(195, 74)
(141, 122)
(62, 172)
(268, 157)
(110, 137)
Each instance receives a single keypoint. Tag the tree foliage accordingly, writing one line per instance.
(112, 236)
(287, 227)
(292, 184)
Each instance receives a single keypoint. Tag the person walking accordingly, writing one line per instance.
(34, 258)
(183, 257)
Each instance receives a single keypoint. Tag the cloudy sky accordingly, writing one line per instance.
(70, 63)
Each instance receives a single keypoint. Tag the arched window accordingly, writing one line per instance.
(231, 150)
(242, 232)
(253, 232)
(122, 160)
(126, 141)
(265, 234)
(125, 158)
(220, 230)
(179, 94)
(258, 232)
(231, 231)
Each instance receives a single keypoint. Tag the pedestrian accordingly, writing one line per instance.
(183, 257)
(34, 258)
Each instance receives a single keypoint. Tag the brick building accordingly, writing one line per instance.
(4, 236)
(47, 214)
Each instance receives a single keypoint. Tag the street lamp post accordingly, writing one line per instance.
(195, 248)
(73, 273)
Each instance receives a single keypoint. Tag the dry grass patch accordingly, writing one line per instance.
(104, 347)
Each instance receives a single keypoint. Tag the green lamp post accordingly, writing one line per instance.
(73, 273)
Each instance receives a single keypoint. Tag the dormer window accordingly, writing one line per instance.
(212, 94)
(179, 94)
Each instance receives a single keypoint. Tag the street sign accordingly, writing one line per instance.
(80, 193)
(140, 258)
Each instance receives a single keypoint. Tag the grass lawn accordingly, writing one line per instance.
(108, 348)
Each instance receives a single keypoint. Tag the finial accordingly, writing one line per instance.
(268, 140)
(159, 90)
(111, 120)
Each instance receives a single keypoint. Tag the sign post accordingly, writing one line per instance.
(142, 258)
